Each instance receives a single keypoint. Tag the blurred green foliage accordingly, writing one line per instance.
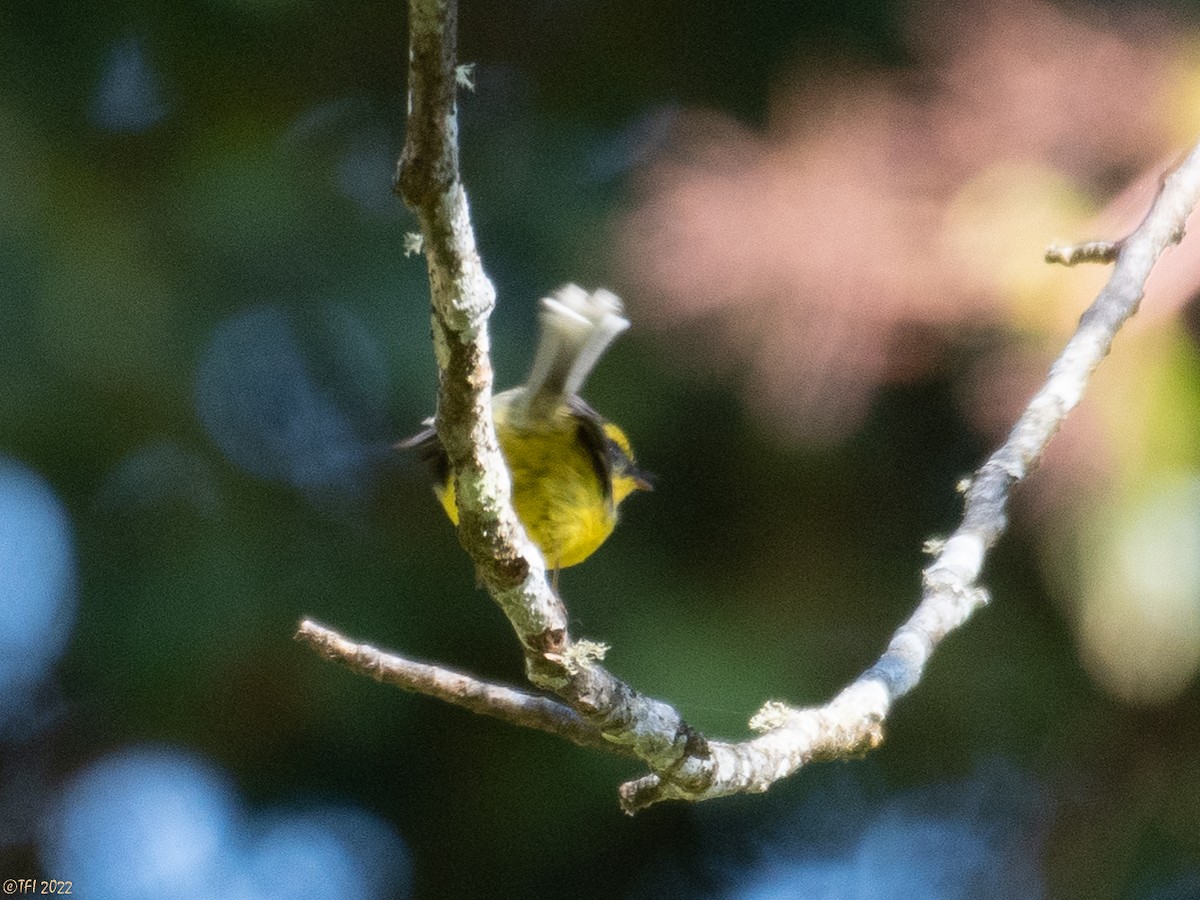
(757, 569)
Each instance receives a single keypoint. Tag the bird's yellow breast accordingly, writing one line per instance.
(557, 492)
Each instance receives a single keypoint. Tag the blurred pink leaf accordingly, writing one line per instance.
(879, 216)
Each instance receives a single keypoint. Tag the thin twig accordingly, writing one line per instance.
(483, 697)
(1088, 251)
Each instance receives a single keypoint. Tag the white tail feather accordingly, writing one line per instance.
(577, 328)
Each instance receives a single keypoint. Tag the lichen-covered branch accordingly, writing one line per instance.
(852, 722)
(603, 711)
(508, 563)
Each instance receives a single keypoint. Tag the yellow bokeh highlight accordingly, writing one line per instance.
(997, 229)
(1138, 615)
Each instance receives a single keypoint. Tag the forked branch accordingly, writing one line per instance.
(597, 709)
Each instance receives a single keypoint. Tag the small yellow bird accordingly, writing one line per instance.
(570, 468)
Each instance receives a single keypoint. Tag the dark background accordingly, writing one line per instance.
(210, 336)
